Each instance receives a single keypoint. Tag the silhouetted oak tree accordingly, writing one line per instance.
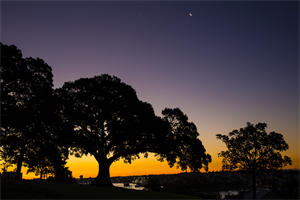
(253, 149)
(109, 121)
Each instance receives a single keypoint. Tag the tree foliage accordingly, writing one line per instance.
(28, 109)
(109, 121)
(253, 148)
(184, 146)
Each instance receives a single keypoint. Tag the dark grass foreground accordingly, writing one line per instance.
(38, 190)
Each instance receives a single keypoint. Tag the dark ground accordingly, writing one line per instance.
(283, 184)
(49, 190)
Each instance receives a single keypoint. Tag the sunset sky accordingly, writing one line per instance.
(222, 63)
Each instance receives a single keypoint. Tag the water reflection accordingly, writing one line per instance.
(132, 186)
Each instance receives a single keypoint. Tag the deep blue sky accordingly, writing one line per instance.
(229, 63)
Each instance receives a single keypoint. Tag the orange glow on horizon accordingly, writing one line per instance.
(88, 167)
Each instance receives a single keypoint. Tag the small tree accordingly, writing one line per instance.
(252, 149)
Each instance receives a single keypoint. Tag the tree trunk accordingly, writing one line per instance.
(19, 165)
(254, 183)
(103, 177)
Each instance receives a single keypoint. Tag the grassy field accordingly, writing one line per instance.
(39, 190)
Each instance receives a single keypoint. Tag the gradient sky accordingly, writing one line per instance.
(227, 64)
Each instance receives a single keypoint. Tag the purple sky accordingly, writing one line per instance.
(227, 64)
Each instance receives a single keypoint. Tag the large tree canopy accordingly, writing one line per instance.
(253, 149)
(108, 119)
(110, 123)
(28, 109)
